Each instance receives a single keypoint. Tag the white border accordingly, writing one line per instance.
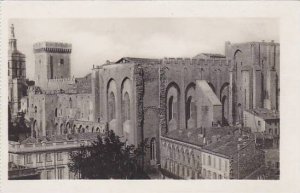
(287, 12)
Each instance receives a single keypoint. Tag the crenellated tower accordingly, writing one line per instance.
(52, 61)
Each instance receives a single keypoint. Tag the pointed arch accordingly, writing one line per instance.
(172, 103)
(190, 106)
(111, 99)
(225, 85)
(153, 149)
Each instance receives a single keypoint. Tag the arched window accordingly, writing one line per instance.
(97, 129)
(34, 128)
(170, 107)
(55, 112)
(70, 103)
(61, 129)
(188, 108)
(79, 129)
(74, 129)
(112, 106)
(126, 106)
(153, 149)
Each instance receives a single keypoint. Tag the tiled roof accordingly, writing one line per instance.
(210, 55)
(193, 136)
(228, 144)
(221, 140)
(139, 60)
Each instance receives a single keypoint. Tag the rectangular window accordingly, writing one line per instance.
(220, 164)
(258, 123)
(71, 175)
(49, 174)
(226, 165)
(51, 67)
(39, 157)
(48, 157)
(62, 61)
(60, 173)
(28, 159)
(214, 162)
(59, 156)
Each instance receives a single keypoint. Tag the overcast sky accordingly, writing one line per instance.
(96, 40)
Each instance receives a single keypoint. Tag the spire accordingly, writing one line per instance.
(12, 31)
(12, 40)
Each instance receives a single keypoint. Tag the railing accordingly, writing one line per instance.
(19, 148)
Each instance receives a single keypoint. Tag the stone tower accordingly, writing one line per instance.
(52, 61)
(16, 74)
(254, 77)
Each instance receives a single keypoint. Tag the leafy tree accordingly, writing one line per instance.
(17, 127)
(108, 158)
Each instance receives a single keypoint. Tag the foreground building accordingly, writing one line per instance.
(49, 156)
(214, 153)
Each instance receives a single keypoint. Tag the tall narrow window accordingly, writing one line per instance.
(51, 67)
(70, 103)
(126, 106)
(188, 108)
(112, 106)
(62, 61)
(152, 149)
(170, 107)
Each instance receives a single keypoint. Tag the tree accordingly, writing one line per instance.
(108, 158)
(18, 129)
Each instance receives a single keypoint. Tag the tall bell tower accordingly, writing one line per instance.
(16, 74)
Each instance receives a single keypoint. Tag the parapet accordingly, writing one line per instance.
(197, 61)
(52, 47)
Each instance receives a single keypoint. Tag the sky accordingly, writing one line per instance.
(95, 41)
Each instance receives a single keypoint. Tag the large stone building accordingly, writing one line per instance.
(143, 98)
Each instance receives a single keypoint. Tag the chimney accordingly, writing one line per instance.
(204, 141)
